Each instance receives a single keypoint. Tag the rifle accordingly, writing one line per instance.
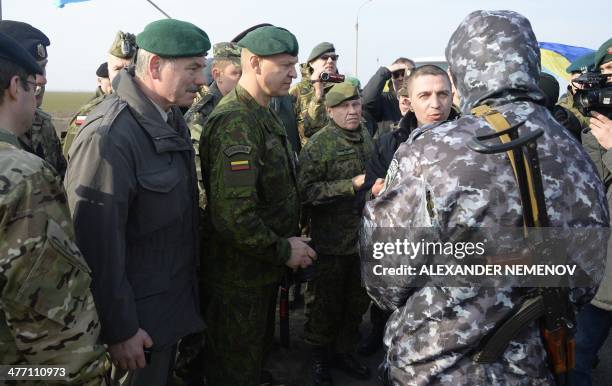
(549, 304)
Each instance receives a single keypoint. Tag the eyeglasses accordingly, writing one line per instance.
(333, 57)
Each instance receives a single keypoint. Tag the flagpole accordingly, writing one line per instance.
(0, 9)
(153, 4)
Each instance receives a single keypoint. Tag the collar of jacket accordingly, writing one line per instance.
(214, 90)
(259, 111)
(165, 137)
(7, 136)
(350, 135)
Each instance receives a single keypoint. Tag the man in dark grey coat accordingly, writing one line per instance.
(132, 191)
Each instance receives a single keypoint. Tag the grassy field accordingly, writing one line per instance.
(63, 105)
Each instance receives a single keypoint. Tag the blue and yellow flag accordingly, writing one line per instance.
(557, 57)
(61, 3)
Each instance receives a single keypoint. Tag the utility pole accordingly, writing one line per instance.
(357, 36)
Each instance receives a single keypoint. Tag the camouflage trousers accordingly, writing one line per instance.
(239, 334)
(336, 302)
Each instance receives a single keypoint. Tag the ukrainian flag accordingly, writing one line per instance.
(61, 3)
(557, 57)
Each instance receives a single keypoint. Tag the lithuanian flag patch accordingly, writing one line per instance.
(236, 166)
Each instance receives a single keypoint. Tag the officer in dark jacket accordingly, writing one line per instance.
(132, 191)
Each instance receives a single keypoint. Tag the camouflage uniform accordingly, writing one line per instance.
(567, 101)
(42, 140)
(310, 113)
(328, 162)
(77, 122)
(436, 182)
(47, 312)
(253, 207)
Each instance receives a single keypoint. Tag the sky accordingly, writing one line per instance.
(81, 33)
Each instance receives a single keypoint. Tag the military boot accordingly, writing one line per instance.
(320, 367)
(351, 366)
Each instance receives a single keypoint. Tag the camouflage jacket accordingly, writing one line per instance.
(328, 162)
(43, 141)
(78, 121)
(567, 101)
(248, 169)
(436, 182)
(196, 117)
(310, 112)
(47, 311)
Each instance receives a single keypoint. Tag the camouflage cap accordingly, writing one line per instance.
(604, 53)
(13, 51)
(582, 64)
(270, 40)
(124, 45)
(226, 50)
(173, 38)
(341, 92)
(319, 50)
(31, 38)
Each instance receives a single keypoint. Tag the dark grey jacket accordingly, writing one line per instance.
(381, 107)
(132, 191)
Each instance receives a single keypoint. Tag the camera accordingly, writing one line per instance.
(596, 94)
(332, 78)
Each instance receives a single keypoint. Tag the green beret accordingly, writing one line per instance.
(173, 38)
(242, 34)
(226, 50)
(319, 50)
(34, 41)
(582, 64)
(339, 93)
(13, 51)
(124, 45)
(604, 54)
(270, 40)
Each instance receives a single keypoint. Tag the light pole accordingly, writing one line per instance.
(357, 36)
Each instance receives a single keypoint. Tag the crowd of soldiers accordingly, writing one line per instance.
(148, 247)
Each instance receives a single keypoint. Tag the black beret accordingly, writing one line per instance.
(270, 40)
(319, 50)
(14, 52)
(550, 86)
(173, 38)
(34, 41)
(102, 71)
(246, 31)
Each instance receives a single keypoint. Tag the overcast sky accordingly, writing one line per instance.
(81, 33)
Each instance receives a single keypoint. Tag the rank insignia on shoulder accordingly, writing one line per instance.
(80, 119)
(240, 165)
(237, 149)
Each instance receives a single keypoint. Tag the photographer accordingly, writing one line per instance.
(595, 319)
(309, 94)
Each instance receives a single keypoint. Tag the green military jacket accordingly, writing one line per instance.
(248, 169)
(196, 117)
(47, 311)
(77, 122)
(43, 141)
(310, 112)
(328, 162)
(567, 101)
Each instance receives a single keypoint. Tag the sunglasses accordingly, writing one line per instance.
(333, 57)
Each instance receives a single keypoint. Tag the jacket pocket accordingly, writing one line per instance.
(57, 285)
(160, 201)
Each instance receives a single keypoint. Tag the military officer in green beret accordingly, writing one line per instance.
(332, 167)
(131, 182)
(575, 69)
(309, 93)
(41, 139)
(252, 212)
(47, 311)
(225, 72)
(120, 56)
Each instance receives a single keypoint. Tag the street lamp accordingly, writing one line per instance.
(357, 35)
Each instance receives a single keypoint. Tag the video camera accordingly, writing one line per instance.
(331, 78)
(595, 94)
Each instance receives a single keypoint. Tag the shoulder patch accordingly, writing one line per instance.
(237, 149)
(391, 174)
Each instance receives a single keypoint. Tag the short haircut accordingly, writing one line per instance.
(8, 70)
(142, 62)
(427, 69)
(405, 61)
